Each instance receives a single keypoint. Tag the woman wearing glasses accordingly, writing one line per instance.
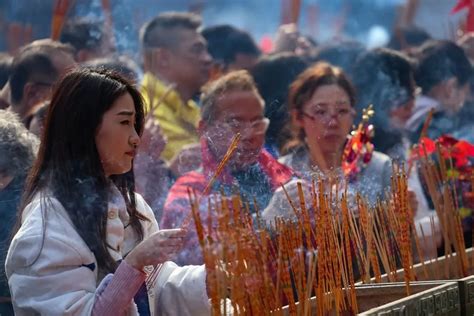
(322, 108)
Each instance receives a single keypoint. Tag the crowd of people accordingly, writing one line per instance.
(98, 151)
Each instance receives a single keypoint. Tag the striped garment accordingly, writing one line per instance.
(258, 181)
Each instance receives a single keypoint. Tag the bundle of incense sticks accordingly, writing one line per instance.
(60, 10)
(329, 245)
(151, 278)
(443, 194)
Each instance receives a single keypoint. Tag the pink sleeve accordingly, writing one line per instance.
(115, 293)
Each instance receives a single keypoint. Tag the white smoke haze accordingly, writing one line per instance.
(260, 18)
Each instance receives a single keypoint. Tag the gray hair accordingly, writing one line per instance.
(239, 80)
(18, 147)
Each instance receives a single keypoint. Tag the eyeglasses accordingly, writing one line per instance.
(237, 126)
(324, 115)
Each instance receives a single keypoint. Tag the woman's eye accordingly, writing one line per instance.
(343, 111)
(320, 112)
(126, 122)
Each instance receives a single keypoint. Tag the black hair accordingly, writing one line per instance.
(123, 65)
(68, 163)
(385, 79)
(410, 35)
(341, 54)
(82, 34)
(273, 76)
(439, 61)
(224, 42)
(30, 66)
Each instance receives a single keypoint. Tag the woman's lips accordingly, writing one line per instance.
(131, 153)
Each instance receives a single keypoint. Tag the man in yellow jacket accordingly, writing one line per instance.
(177, 65)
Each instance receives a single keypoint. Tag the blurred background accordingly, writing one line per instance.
(368, 21)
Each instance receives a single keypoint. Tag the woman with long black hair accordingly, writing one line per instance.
(84, 238)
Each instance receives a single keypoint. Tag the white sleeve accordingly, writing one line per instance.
(56, 283)
(181, 291)
(151, 225)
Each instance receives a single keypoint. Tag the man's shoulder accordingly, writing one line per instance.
(195, 180)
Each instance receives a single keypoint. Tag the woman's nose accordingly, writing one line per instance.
(134, 139)
(332, 121)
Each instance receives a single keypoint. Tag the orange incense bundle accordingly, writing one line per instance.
(60, 10)
(230, 151)
(290, 11)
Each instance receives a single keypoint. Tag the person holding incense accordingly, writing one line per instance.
(273, 74)
(322, 103)
(231, 49)
(443, 73)
(150, 170)
(84, 238)
(392, 94)
(176, 65)
(230, 105)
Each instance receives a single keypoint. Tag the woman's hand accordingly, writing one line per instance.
(158, 248)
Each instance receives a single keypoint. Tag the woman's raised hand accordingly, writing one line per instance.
(158, 248)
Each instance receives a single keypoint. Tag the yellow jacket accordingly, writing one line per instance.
(178, 120)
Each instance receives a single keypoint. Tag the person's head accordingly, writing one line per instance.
(123, 65)
(61, 55)
(385, 79)
(443, 73)
(5, 68)
(230, 48)
(273, 75)
(86, 37)
(408, 38)
(17, 145)
(322, 103)
(89, 140)
(341, 54)
(231, 105)
(31, 80)
(175, 51)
